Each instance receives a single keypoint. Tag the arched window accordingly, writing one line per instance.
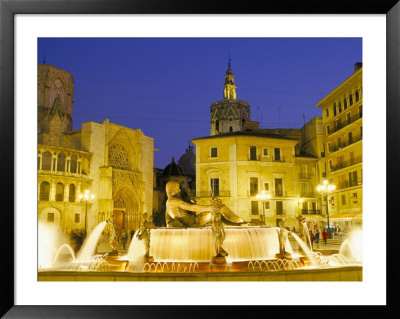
(118, 157)
(74, 160)
(59, 192)
(46, 161)
(71, 196)
(61, 162)
(44, 193)
(230, 129)
(217, 125)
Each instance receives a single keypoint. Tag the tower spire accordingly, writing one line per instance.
(229, 86)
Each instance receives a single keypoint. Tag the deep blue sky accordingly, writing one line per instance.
(165, 86)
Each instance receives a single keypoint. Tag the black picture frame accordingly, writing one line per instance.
(8, 10)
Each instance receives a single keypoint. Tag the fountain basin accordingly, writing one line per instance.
(197, 244)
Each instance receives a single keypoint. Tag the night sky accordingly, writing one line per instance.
(165, 86)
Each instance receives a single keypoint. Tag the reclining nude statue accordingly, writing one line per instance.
(182, 214)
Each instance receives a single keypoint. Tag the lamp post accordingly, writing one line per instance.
(325, 188)
(85, 198)
(263, 196)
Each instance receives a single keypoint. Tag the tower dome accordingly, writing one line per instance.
(229, 114)
(172, 169)
(188, 162)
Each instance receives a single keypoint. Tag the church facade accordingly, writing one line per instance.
(112, 162)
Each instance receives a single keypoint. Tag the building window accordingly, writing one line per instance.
(351, 158)
(340, 107)
(360, 111)
(348, 118)
(266, 187)
(214, 185)
(266, 205)
(214, 152)
(353, 178)
(278, 187)
(217, 125)
(44, 191)
(277, 154)
(77, 218)
(46, 161)
(354, 198)
(253, 186)
(118, 157)
(265, 151)
(343, 199)
(230, 129)
(61, 162)
(328, 131)
(50, 217)
(357, 96)
(338, 124)
(351, 99)
(345, 103)
(350, 136)
(279, 207)
(334, 109)
(71, 195)
(253, 153)
(254, 208)
(60, 192)
(327, 112)
(330, 165)
(74, 161)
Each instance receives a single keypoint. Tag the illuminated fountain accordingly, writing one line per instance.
(196, 247)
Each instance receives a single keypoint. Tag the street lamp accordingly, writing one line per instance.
(263, 196)
(325, 188)
(85, 198)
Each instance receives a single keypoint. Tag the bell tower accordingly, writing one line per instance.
(229, 114)
(229, 86)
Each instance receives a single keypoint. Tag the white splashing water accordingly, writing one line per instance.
(305, 248)
(63, 247)
(197, 244)
(50, 238)
(89, 245)
(351, 247)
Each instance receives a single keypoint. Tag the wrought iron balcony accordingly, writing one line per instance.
(345, 164)
(336, 147)
(346, 121)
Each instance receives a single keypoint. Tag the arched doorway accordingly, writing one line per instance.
(126, 210)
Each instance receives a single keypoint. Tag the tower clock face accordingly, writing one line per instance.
(58, 83)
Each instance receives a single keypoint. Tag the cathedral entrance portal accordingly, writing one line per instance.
(118, 220)
(126, 210)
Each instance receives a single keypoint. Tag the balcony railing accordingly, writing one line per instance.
(304, 176)
(346, 121)
(254, 158)
(311, 212)
(345, 164)
(336, 147)
(307, 194)
(218, 194)
(346, 184)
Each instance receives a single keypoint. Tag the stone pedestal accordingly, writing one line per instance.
(148, 259)
(218, 260)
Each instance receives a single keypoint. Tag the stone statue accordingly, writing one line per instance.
(182, 214)
(219, 235)
(112, 240)
(283, 236)
(144, 234)
(304, 233)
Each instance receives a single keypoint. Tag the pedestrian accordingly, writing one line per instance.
(316, 238)
(311, 238)
(325, 236)
(132, 233)
(124, 239)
